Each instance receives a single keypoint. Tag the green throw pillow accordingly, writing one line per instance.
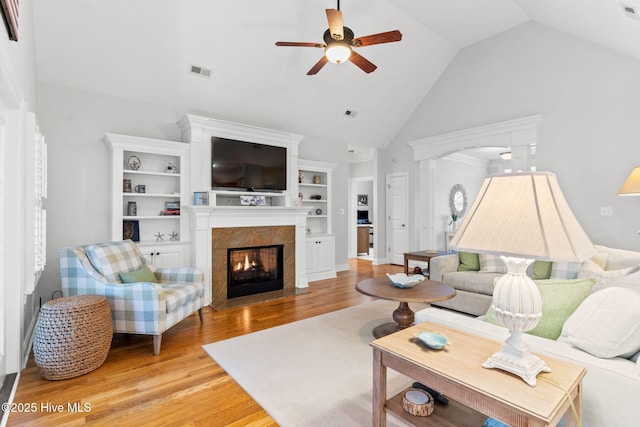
(468, 261)
(541, 270)
(143, 274)
(560, 298)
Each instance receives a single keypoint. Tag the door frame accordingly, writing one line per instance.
(404, 174)
(353, 212)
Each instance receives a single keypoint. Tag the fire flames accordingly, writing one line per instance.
(247, 265)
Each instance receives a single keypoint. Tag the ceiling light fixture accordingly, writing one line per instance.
(338, 52)
(506, 155)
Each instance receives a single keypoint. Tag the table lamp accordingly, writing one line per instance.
(522, 217)
(631, 186)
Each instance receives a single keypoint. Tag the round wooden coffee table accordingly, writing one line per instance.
(382, 287)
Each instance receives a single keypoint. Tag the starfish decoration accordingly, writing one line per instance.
(159, 236)
(174, 236)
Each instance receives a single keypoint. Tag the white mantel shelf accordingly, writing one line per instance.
(207, 217)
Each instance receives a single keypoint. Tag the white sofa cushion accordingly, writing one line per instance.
(607, 323)
(617, 259)
(631, 281)
(603, 277)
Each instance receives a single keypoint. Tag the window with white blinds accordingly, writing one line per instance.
(40, 193)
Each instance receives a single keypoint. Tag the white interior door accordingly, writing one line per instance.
(398, 216)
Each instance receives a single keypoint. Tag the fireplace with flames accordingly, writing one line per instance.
(254, 270)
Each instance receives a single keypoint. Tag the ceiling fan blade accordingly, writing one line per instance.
(318, 66)
(336, 28)
(300, 44)
(362, 62)
(388, 37)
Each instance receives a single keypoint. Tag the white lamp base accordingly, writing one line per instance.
(518, 306)
(523, 364)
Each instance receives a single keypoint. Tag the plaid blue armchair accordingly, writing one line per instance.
(136, 308)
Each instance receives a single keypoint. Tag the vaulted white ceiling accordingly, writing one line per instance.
(144, 50)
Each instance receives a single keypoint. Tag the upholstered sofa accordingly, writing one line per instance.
(612, 384)
(474, 283)
(143, 299)
(590, 317)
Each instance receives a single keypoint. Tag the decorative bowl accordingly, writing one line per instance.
(402, 280)
(433, 340)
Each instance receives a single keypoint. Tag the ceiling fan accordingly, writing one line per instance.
(339, 42)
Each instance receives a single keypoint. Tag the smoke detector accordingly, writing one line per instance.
(350, 114)
(201, 71)
(630, 10)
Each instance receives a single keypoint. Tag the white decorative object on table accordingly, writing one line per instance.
(402, 280)
(521, 216)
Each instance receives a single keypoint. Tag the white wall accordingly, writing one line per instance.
(589, 99)
(75, 122)
(449, 173)
(17, 96)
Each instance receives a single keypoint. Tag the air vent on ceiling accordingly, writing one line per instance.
(201, 71)
(350, 113)
(630, 11)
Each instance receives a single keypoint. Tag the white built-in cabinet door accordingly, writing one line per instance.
(170, 256)
(320, 257)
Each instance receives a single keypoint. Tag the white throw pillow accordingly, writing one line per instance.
(603, 278)
(606, 324)
(565, 270)
(492, 264)
(631, 280)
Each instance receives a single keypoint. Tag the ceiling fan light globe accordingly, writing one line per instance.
(338, 52)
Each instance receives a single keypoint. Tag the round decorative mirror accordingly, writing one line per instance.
(458, 200)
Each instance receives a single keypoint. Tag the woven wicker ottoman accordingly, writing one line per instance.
(72, 336)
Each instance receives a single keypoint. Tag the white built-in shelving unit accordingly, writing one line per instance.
(314, 193)
(159, 171)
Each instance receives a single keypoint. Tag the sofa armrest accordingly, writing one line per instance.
(443, 264)
(182, 274)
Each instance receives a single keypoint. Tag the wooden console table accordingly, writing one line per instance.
(421, 256)
(474, 393)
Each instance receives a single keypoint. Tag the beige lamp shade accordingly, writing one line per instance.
(631, 186)
(523, 215)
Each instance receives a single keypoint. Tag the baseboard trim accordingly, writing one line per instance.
(27, 343)
(342, 267)
(7, 392)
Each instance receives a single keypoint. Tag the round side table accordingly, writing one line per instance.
(72, 336)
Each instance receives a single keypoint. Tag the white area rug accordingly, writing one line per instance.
(314, 372)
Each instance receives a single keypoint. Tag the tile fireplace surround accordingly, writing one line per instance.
(215, 228)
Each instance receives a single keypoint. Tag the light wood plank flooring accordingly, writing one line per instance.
(182, 385)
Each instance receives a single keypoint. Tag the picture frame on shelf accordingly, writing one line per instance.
(131, 230)
(200, 198)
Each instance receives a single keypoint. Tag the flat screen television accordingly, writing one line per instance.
(242, 165)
